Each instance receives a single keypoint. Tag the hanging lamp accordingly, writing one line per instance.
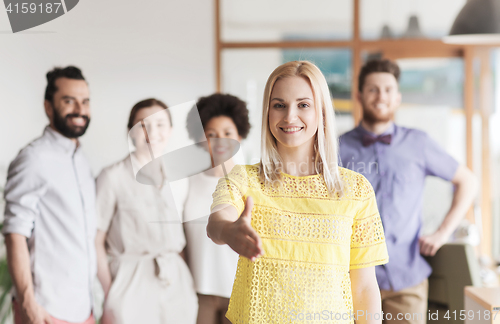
(413, 30)
(477, 23)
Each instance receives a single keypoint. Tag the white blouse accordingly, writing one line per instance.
(213, 266)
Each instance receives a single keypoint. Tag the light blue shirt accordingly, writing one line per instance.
(50, 199)
(397, 173)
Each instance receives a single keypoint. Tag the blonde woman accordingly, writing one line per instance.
(308, 232)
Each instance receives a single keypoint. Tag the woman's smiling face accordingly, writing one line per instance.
(156, 123)
(292, 113)
(223, 137)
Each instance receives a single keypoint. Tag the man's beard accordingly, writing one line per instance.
(70, 131)
(371, 117)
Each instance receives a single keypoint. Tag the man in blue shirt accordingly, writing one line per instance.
(396, 161)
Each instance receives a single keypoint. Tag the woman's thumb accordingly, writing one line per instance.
(247, 212)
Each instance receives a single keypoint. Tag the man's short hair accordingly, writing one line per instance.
(375, 66)
(70, 72)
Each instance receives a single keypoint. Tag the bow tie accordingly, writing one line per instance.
(369, 140)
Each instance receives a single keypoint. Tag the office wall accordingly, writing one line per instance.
(128, 51)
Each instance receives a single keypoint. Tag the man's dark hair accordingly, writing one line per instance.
(70, 72)
(374, 66)
(214, 106)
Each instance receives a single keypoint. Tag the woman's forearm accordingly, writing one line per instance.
(223, 216)
(367, 305)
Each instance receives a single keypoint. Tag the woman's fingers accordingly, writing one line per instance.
(256, 240)
(250, 250)
(244, 243)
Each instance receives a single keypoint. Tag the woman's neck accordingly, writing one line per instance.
(156, 170)
(298, 161)
(142, 157)
(218, 171)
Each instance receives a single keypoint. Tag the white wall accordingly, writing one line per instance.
(128, 51)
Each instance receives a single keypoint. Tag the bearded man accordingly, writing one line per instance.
(49, 225)
(396, 161)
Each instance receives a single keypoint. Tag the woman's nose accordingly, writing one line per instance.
(291, 115)
(152, 131)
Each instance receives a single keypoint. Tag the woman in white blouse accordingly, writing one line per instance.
(145, 279)
(213, 266)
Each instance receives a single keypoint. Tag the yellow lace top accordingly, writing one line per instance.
(310, 240)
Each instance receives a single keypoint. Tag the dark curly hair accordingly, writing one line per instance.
(70, 72)
(214, 106)
(374, 66)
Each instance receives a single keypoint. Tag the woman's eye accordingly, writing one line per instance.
(278, 105)
(211, 135)
(303, 105)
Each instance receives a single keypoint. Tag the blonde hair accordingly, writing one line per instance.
(326, 142)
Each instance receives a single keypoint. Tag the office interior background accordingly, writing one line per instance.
(178, 51)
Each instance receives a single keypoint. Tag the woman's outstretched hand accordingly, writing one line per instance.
(240, 235)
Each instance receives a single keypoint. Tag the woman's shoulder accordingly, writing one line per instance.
(245, 170)
(244, 175)
(247, 167)
(356, 186)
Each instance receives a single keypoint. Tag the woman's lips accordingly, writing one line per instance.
(220, 149)
(291, 130)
